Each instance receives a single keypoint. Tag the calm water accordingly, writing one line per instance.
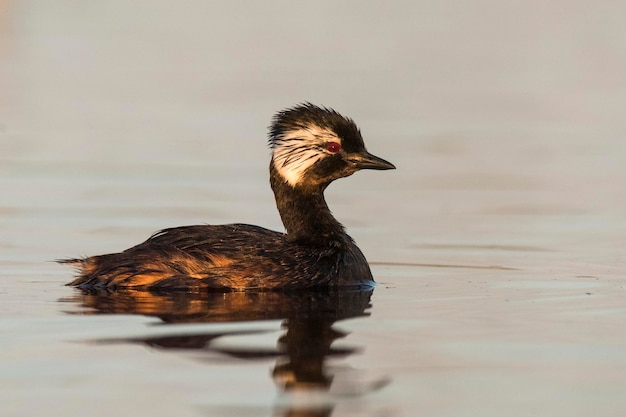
(498, 244)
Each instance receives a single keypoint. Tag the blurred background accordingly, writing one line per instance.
(487, 108)
(505, 120)
(527, 97)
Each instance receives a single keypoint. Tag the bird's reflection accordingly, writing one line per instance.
(301, 352)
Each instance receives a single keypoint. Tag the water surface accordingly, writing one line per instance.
(498, 244)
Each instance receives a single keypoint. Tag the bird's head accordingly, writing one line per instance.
(312, 146)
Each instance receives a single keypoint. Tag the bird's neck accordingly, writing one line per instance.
(305, 214)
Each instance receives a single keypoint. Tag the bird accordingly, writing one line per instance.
(311, 146)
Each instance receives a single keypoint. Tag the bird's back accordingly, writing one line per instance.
(226, 257)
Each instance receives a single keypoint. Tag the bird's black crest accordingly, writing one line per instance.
(305, 115)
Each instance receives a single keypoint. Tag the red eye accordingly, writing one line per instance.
(333, 147)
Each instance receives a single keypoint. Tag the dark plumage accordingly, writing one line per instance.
(311, 147)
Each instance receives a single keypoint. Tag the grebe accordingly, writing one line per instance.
(311, 147)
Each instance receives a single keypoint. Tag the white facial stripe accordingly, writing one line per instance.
(297, 150)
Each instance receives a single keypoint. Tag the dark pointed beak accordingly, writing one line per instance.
(366, 160)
